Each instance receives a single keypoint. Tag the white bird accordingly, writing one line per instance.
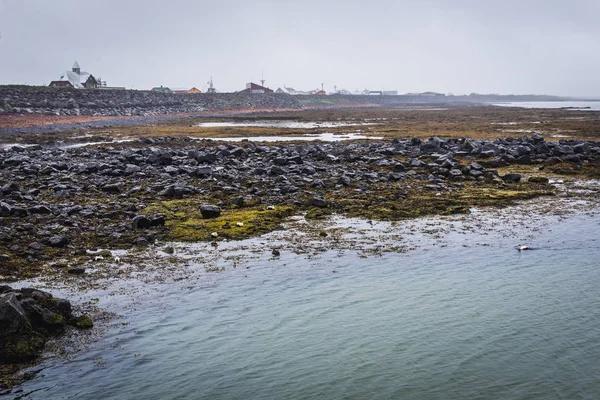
(522, 247)
(98, 258)
(118, 260)
(240, 224)
(214, 234)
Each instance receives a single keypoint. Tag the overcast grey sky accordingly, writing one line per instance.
(450, 46)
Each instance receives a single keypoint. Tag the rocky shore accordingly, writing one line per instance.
(100, 102)
(28, 318)
(57, 204)
(68, 211)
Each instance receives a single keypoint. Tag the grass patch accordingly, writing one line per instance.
(184, 222)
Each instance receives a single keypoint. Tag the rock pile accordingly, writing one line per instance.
(53, 199)
(99, 102)
(28, 317)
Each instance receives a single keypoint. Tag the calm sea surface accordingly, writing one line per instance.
(474, 319)
(593, 105)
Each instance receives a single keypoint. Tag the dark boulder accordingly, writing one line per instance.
(28, 317)
(210, 211)
(58, 241)
(5, 209)
(111, 188)
(157, 220)
(512, 178)
(140, 222)
(9, 188)
(318, 202)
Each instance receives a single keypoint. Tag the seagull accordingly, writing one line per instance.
(118, 260)
(522, 247)
(240, 224)
(98, 258)
(214, 234)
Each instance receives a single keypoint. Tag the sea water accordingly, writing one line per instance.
(469, 318)
(575, 105)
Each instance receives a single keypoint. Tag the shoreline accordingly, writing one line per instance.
(108, 211)
(198, 265)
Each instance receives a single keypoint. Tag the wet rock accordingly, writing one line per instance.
(210, 211)
(58, 241)
(142, 241)
(111, 188)
(9, 188)
(573, 158)
(131, 169)
(344, 180)
(512, 178)
(157, 220)
(83, 322)
(40, 209)
(455, 173)
(280, 161)
(76, 271)
(582, 148)
(238, 201)
(140, 222)
(5, 209)
(318, 202)
(201, 172)
(169, 250)
(538, 179)
(562, 150)
(28, 317)
(177, 191)
(537, 138)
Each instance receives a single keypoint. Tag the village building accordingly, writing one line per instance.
(187, 91)
(76, 78)
(286, 90)
(162, 89)
(254, 88)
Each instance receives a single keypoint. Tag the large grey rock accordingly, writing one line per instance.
(12, 316)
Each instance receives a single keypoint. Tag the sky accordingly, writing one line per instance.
(448, 46)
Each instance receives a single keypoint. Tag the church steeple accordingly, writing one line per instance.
(76, 68)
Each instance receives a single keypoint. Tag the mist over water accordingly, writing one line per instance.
(472, 319)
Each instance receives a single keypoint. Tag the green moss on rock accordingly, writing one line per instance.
(84, 322)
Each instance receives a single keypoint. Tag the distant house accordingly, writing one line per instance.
(76, 78)
(254, 88)
(288, 90)
(320, 93)
(186, 91)
(162, 89)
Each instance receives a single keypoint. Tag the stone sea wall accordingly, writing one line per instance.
(102, 102)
